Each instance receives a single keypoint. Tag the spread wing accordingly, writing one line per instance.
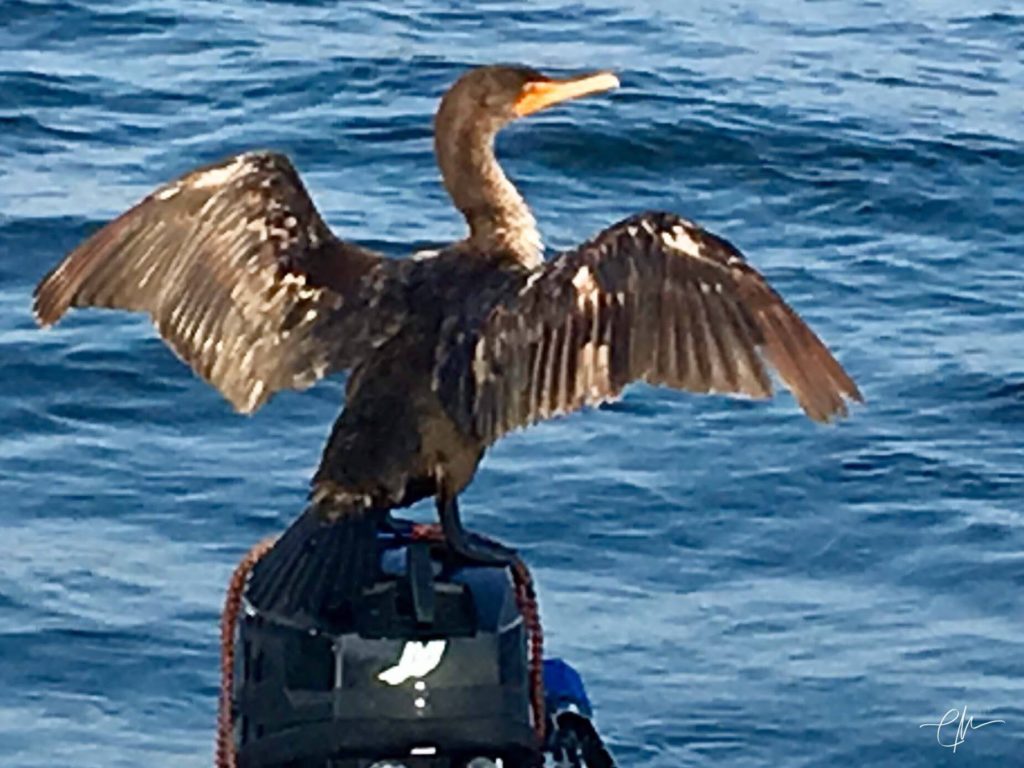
(654, 298)
(241, 277)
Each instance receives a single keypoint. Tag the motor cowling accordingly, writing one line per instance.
(428, 668)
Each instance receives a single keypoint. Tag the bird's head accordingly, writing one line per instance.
(493, 96)
(474, 109)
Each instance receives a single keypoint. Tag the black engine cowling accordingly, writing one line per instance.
(428, 669)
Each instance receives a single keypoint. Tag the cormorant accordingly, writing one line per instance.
(249, 286)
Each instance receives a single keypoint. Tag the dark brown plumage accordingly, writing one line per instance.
(248, 285)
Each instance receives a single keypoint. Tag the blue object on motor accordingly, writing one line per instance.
(563, 688)
(573, 741)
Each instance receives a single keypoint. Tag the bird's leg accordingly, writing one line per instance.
(479, 551)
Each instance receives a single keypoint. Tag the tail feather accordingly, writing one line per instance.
(316, 565)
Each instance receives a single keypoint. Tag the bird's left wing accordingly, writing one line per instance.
(653, 298)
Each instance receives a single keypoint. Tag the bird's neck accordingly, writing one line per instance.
(500, 222)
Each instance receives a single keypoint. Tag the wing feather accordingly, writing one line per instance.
(653, 298)
(241, 276)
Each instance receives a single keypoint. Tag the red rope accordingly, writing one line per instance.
(526, 600)
(225, 754)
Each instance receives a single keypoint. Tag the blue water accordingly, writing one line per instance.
(738, 586)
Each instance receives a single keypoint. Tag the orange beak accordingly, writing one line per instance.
(539, 94)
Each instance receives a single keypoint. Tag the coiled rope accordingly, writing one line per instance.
(526, 601)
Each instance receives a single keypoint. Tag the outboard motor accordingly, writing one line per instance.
(429, 669)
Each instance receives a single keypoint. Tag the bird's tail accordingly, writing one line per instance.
(318, 565)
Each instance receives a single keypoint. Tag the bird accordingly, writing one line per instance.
(446, 352)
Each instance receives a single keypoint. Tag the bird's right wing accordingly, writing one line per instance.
(653, 298)
(241, 276)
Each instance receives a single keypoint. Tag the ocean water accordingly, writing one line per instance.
(737, 585)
